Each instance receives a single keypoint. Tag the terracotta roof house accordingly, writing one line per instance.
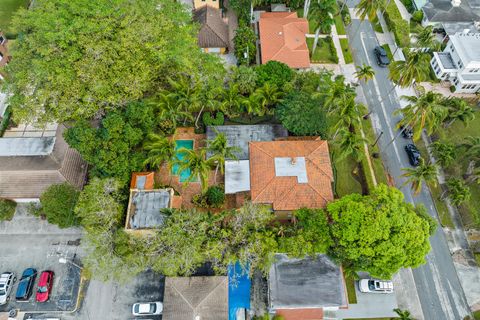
(291, 175)
(188, 298)
(29, 165)
(306, 289)
(213, 34)
(282, 38)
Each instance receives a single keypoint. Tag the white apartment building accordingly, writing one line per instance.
(459, 63)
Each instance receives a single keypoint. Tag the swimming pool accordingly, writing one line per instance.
(185, 174)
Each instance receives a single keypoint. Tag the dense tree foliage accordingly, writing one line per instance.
(302, 115)
(7, 209)
(379, 233)
(73, 59)
(275, 72)
(58, 203)
(245, 45)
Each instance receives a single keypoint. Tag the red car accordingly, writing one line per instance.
(44, 286)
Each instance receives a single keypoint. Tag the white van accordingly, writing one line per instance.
(375, 286)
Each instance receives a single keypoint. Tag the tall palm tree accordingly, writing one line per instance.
(221, 151)
(364, 72)
(186, 95)
(350, 144)
(268, 95)
(321, 12)
(159, 149)
(459, 109)
(444, 153)
(424, 112)
(334, 91)
(458, 192)
(231, 101)
(415, 67)
(472, 147)
(426, 39)
(403, 314)
(253, 106)
(425, 172)
(347, 111)
(196, 162)
(368, 9)
(168, 110)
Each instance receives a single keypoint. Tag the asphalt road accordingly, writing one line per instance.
(439, 289)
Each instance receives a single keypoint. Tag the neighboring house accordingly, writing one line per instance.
(4, 57)
(453, 15)
(190, 298)
(32, 161)
(201, 3)
(306, 289)
(145, 203)
(459, 63)
(213, 35)
(282, 38)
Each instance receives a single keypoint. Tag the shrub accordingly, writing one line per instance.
(58, 203)
(5, 120)
(417, 16)
(245, 41)
(453, 88)
(245, 78)
(7, 209)
(166, 126)
(333, 50)
(215, 196)
(397, 25)
(275, 72)
(208, 120)
(409, 5)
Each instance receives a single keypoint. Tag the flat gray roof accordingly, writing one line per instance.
(147, 206)
(305, 283)
(291, 167)
(446, 60)
(14, 147)
(237, 176)
(241, 135)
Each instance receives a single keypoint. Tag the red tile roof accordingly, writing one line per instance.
(286, 192)
(301, 314)
(282, 38)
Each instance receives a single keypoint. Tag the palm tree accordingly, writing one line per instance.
(368, 8)
(268, 95)
(196, 162)
(335, 91)
(186, 95)
(221, 151)
(459, 109)
(253, 106)
(458, 192)
(444, 153)
(426, 39)
(424, 112)
(321, 12)
(350, 144)
(168, 110)
(347, 111)
(365, 72)
(472, 153)
(425, 172)
(403, 314)
(231, 101)
(415, 67)
(160, 149)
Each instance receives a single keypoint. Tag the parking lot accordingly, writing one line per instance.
(28, 242)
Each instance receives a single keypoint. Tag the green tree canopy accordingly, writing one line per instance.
(275, 72)
(73, 59)
(245, 45)
(58, 203)
(301, 114)
(378, 233)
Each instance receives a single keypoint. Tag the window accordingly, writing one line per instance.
(2, 39)
(464, 86)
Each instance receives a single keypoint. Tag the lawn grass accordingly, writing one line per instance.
(377, 163)
(350, 284)
(346, 50)
(323, 53)
(476, 315)
(7, 9)
(477, 258)
(339, 24)
(344, 176)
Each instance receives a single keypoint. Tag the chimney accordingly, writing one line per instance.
(293, 161)
(456, 3)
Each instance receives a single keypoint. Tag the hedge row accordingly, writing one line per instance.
(397, 25)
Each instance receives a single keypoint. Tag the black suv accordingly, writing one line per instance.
(25, 285)
(381, 55)
(413, 154)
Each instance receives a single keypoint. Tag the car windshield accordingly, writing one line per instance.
(42, 289)
(153, 308)
(2, 292)
(371, 285)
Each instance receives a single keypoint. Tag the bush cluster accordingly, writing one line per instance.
(7, 209)
(213, 198)
(397, 25)
(208, 120)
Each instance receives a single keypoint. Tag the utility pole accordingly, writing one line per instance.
(378, 138)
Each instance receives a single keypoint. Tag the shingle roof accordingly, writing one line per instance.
(188, 297)
(273, 182)
(444, 11)
(213, 30)
(29, 176)
(282, 38)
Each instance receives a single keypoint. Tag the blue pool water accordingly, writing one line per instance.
(185, 174)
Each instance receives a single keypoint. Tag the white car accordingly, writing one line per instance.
(375, 286)
(7, 279)
(147, 308)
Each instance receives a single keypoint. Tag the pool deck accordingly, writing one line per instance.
(164, 177)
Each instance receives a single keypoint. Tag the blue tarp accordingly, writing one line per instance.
(238, 289)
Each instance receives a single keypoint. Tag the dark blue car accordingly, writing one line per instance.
(25, 285)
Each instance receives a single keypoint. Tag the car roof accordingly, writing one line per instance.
(29, 272)
(144, 307)
(381, 49)
(44, 276)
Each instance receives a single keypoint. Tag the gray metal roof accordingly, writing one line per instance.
(241, 135)
(147, 206)
(305, 283)
(237, 176)
(14, 147)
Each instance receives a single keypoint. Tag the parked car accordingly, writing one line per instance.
(407, 131)
(381, 55)
(44, 287)
(25, 285)
(7, 279)
(147, 308)
(375, 286)
(413, 154)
